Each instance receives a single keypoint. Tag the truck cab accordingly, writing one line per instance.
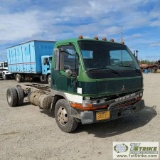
(4, 70)
(46, 68)
(93, 81)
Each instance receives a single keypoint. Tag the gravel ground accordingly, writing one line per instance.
(28, 133)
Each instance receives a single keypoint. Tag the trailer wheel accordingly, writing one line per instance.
(20, 95)
(12, 97)
(18, 78)
(65, 121)
(49, 80)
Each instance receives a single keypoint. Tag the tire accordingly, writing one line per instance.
(20, 94)
(4, 76)
(12, 97)
(49, 80)
(18, 78)
(41, 79)
(63, 117)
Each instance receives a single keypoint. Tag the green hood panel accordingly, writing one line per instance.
(110, 87)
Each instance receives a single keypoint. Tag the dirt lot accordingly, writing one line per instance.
(27, 132)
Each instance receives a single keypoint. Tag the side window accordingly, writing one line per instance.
(45, 61)
(5, 64)
(50, 59)
(69, 58)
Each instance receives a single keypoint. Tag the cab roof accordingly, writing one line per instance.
(74, 40)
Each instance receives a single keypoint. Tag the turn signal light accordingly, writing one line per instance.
(87, 107)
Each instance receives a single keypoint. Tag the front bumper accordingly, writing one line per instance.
(7, 73)
(88, 117)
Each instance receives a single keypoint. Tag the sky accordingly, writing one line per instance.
(136, 22)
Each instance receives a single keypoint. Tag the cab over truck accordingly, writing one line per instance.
(4, 73)
(31, 59)
(91, 81)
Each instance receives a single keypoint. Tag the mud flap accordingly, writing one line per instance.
(139, 106)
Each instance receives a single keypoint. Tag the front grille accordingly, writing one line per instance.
(125, 103)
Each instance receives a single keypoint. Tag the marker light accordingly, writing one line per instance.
(96, 37)
(80, 37)
(112, 40)
(104, 38)
(122, 42)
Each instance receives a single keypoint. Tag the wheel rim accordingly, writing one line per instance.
(62, 116)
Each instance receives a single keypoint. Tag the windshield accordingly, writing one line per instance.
(110, 57)
(5, 64)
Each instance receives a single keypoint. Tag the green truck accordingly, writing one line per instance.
(92, 81)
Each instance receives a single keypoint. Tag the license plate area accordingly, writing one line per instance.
(102, 115)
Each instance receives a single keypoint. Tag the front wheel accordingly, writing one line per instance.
(65, 121)
(4, 76)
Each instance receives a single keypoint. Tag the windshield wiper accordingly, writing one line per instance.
(129, 66)
(112, 70)
(92, 69)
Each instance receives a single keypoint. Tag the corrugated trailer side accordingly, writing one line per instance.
(11, 58)
(42, 48)
(29, 58)
(21, 58)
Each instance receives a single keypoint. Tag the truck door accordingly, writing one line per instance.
(46, 62)
(65, 78)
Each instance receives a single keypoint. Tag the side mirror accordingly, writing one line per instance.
(56, 59)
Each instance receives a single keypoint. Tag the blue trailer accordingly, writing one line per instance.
(31, 59)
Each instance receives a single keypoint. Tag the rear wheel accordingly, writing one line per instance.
(41, 79)
(12, 97)
(18, 77)
(49, 79)
(20, 95)
(65, 121)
